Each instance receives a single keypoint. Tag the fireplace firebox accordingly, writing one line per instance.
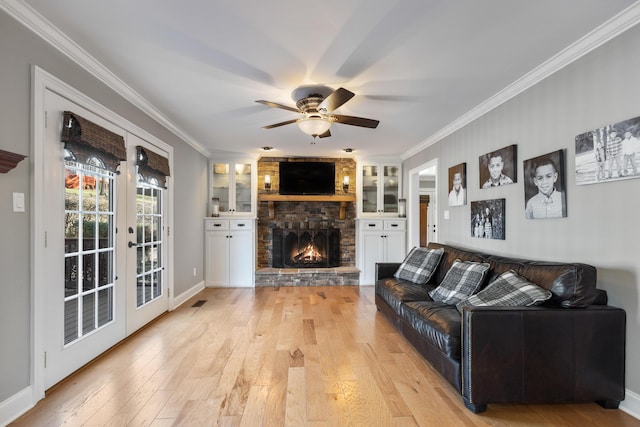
(306, 248)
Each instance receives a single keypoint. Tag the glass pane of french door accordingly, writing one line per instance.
(149, 226)
(89, 242)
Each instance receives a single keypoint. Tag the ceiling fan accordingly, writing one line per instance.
(316, 110)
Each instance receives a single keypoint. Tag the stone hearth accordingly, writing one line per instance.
(338, 276)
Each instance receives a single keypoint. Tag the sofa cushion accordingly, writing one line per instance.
(419, 265)
(396, 291)
(508, 290)
(462, 280)
(437, 323)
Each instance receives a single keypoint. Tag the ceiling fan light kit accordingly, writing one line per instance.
(314, 126)
(315, 111)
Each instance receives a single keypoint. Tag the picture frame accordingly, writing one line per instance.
(609, 153)
(498, 167)
(545, 186)
(458, 185)
(488, 219)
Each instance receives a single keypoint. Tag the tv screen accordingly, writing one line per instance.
(307, 178)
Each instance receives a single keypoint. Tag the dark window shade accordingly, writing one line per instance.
(152, 165)
(86, 139)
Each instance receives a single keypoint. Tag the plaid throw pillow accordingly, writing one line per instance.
(419, 265)
(461, 281)
(508, 290)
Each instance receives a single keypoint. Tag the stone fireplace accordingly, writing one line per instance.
(295, 222)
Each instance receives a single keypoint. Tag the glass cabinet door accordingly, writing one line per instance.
(221, 182)
(243, 187)
(369, 189)
(390, 189)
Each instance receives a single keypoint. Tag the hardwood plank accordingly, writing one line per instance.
(296, 408)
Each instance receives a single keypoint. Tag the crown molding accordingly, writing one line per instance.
(602, 34)
(42, 27)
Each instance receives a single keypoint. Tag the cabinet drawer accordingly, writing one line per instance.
(394, 225)
(371, 224)
(216, 224)
(241, 224)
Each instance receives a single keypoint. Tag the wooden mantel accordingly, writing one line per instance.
(272, 198)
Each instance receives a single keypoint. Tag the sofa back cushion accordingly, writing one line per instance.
(572, 284)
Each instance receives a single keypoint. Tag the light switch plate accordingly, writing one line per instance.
(446, 214)
(18, 202)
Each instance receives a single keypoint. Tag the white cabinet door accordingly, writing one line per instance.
(373, 252)
(241, 269)
(394, 246)
(217, 258)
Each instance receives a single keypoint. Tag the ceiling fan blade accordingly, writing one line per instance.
(276, 105)
(355, 121)
(275, 125)
(335, 100)
(325, 135)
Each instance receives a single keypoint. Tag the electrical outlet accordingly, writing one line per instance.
(194, 272)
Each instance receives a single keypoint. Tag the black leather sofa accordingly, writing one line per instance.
(569, 349)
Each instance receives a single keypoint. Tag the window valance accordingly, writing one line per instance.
(85, 139)
(152, 165)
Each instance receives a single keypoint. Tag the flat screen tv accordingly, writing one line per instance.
(298, 178)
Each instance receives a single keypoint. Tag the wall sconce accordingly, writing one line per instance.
(345, 184)
(267, 182)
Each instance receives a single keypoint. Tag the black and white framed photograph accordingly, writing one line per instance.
(458, 185)
(544, 187)
(487, 219)
(498, 167)
(609, 153)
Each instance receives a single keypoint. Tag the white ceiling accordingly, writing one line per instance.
(418, 66)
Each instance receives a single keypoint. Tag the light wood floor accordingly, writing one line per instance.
(305, 356)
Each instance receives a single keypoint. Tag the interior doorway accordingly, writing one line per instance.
(422, 217)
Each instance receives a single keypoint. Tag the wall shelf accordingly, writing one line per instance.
(9, 160)
(272, 198)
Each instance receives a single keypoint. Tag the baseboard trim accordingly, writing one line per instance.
(183, 297)
(631, 404)
(16, 405)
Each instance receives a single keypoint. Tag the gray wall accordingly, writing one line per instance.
(19, 49)
(602, 226)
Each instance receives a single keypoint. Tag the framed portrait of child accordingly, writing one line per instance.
(544, 188)
(498, 167)
(458, 185)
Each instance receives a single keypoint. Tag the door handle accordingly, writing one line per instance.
(131, 244)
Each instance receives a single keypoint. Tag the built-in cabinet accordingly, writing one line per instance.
(379, 186)
(378, 240)
(229, 252)
(233, 184)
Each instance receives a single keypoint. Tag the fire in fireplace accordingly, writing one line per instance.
(295, 248)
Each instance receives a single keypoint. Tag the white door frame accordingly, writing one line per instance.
(41, 81)
(413, 204)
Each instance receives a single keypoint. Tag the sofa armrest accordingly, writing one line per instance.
(538, 354)
(385, 270)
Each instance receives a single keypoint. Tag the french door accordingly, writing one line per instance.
(146, 243)
(104, 251)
